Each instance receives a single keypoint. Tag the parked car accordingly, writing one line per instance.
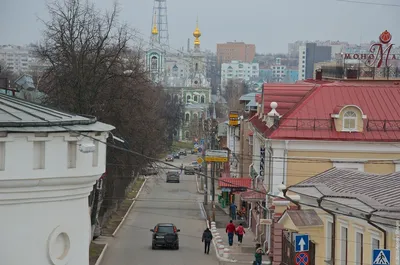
(182, 152)
(165, 235)
(196, 165)
(169, 158)
(193, 151)
(177, 156)
(148, 171)
(189, 170)
(173, 176)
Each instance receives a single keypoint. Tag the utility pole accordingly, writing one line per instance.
(201, 134)
(241, 154)
(204, 167)
(213, 171)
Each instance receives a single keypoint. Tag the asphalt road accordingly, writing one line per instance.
(159, 201)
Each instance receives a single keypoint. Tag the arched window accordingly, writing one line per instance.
(202, 99)
(195, 98)
(350, 121)
(187, 98)
(154, 63)
(187, 117)
(197, 66)
(187, 135)
(195, 116)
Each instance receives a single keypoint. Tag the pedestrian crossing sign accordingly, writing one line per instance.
(380, 257)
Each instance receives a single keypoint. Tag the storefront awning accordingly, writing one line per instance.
(234, 182)
(254, 195)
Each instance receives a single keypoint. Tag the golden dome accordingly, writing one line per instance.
(197, 33)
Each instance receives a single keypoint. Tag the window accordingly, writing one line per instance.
(39, 154)
(349, 121)
(202, 99)
(343, 245)
(187, 117)
(72, 154)
(197, 67)
(359, 248)
(195, 116)
(195, 97)
(95, 158)
(187, 98)
(375, 243)
(328, 238)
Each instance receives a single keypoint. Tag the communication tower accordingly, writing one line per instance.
(160, 8)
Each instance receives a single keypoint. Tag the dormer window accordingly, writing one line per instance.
(350, 121)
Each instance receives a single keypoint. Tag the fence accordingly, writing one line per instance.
(288, 250)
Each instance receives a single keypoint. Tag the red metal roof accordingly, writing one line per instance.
(377, 101)
(254, 194)
(286, 95)
(234, 182)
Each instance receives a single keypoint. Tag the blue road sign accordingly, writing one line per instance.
(380, 257)
(201, 141)
(199, 149)
(302, 243)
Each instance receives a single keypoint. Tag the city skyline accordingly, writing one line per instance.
(341, 22)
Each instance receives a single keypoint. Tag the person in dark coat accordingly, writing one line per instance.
(207, 237)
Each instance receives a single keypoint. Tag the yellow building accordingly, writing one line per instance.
(348, 214)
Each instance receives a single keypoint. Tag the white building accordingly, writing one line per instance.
(15, 58)
(47, 170)
(238, 70)
(302, 62)
(278, 71)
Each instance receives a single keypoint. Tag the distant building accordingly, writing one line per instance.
(15, 58)
(235, 51)
(238, 70)
(309, 54)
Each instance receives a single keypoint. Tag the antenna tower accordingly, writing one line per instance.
(160, 9)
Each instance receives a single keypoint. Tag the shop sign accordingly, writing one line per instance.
(225, 189)
(233, 118)
(262, 161)
(379, 53)
(240, 189)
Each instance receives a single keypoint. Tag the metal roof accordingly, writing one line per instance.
(248, 97)
(17, 115)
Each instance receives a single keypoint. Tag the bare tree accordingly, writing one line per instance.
(93, 71)
(233, 91)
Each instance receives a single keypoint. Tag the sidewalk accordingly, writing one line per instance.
(243, 253)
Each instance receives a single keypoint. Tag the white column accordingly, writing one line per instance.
(278, 171)
(45, 221)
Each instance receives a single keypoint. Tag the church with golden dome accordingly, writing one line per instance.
(182, 74)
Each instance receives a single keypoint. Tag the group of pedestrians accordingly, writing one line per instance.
(231, 230)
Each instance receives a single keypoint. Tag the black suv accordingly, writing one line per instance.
(182, 152)
(165, 235)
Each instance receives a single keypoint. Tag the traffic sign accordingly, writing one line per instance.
(302, 243)
(200, 160)
(216, 156)
(199, 149)
(380, 257)
(302, 258)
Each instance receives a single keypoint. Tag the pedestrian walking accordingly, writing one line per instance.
(233, 211)
(240, 233)
(258, 255)
(207, 237)
(230, 230)
(181, 168)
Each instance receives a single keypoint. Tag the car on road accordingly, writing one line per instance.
(189, 170)
(193, 151)
(173, 176)
(196, 165)
(169, 158)
(177, 155)
(183, 152)
(165, 235)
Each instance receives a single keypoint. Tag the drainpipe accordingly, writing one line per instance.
(285, 162)
(251, 209)
(333, 239)
(265, 209)
(368, 216)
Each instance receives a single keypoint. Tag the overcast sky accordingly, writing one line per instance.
(270, 24)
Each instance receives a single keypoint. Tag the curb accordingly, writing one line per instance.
(215, 245)
(197, 185)
(129, 209)
(100, 258)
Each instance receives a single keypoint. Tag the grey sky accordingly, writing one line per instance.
(270, 24)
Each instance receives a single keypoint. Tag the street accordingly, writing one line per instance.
(159, 201)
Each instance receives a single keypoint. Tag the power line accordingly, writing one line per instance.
(369, 3)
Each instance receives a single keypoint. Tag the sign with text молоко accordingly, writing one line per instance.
(233, 118)
(379, 53)
(217, 156)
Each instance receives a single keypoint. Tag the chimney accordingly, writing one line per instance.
(272, 116)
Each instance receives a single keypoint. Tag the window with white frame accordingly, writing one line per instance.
(359, 248)
(375, 243)
(350, 121)
(351, 166)
(344, 241)
(328, 238)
